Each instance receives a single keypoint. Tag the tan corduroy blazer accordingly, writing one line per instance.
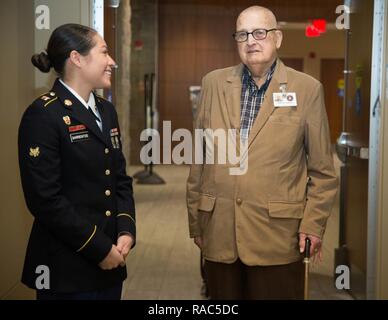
(290, 183)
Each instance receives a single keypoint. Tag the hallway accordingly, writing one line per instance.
(163, 49)
(165, 262)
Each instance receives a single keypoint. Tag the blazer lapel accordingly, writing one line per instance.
(233, 97)
(265, 111)
(279, 77)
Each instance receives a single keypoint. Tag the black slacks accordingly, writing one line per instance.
(238, 281)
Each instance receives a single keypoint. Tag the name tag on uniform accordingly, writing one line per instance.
(286, 99)
(79, 136)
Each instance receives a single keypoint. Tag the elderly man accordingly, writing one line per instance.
(251, 228)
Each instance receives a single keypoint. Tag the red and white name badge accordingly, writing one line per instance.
(284, 99)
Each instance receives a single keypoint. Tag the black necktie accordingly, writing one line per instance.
(95, 117)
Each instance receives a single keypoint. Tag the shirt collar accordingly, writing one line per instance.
(91, 102)
(247, 75)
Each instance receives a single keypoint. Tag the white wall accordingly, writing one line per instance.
(16, 89)
(61, 12)
(329, 45)
(20, 84)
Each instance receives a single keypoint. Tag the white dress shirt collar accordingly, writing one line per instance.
(91, 102)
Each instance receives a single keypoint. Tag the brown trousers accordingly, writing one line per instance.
(238, 281)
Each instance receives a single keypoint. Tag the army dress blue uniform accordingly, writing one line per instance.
(75, 185)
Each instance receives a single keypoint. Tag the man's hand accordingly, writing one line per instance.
(112, 260)
(124, 244)
(316, 245)
(198, 242)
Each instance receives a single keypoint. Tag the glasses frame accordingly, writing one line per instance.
(248, 33)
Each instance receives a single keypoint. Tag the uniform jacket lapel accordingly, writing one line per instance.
(79, 112)
(104, 117)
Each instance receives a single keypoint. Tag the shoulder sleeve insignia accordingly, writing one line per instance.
(34, 152)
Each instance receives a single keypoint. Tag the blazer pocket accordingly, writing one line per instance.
(285, 209)
(285, 119)
(206, 202)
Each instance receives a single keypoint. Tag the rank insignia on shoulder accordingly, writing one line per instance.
(67, 120)
(52, 93)
(34, 152)
(68, 102)
(45, 98)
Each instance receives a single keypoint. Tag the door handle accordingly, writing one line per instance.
(347, 147)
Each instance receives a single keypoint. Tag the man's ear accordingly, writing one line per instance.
(75, 58)
(279, 38)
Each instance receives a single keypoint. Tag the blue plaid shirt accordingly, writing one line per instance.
(251, 99)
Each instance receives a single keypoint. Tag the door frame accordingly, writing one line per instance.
(377, 246)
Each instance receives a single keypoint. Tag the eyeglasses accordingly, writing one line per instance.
(258, 34)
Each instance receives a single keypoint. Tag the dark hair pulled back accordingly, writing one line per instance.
(62, 42)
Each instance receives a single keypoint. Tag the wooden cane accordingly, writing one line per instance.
(306, 262)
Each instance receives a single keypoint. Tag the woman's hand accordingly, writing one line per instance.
(124, 245)
(112, 260)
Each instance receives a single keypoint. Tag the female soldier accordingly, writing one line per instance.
(73, 175)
